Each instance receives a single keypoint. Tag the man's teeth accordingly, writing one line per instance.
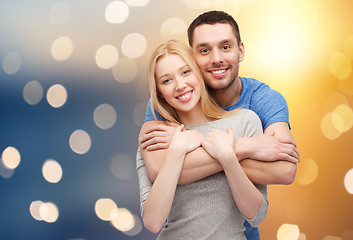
(185, 96)
(219, 71)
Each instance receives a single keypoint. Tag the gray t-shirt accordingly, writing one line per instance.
(205, 209)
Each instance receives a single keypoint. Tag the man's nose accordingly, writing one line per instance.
(217, 57)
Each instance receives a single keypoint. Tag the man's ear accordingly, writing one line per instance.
(241, 52)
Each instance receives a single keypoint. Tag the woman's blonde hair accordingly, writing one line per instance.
(159, 104)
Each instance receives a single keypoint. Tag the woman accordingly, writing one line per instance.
(214, 207)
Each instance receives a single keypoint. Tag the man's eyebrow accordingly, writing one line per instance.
(201, 45)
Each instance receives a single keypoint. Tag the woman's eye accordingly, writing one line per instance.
(186, 72)
(165, 81)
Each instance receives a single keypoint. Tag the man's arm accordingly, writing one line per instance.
(276, 172)
(199, 164)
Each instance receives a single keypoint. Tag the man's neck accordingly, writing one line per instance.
(229, 96)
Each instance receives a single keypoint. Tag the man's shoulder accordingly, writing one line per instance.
(252, 83)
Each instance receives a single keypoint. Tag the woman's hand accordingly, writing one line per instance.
(186, 140)
(220, 145)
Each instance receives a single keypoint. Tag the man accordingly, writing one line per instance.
(268, 159)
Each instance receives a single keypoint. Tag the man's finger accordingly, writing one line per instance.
(153, 141)
(151, 135)
(157, 146)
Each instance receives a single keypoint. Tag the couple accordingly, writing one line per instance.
(218, 156)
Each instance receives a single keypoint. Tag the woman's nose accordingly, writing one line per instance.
(181, 85)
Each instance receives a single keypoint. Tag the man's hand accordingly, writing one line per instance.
(156, 136)
(267, 148)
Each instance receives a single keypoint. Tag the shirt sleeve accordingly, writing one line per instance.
(149, 114)
(262, 212)
(251, 129)
(144, 181)
(270, 105)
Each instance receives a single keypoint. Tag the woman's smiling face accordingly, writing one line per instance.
(177, 83)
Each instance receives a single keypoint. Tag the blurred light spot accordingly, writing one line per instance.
(137, 3)
(60, 13)
(62, 48)
(107, 56)
(347, 235)
(308, 171)
(142, 90)
(122, 166)
(334, 100)
(329, 124)
(136, 229)
(288, 232)
(104, 116)
(302, 236)
(308, 13)
(125, 70)
(80, 142)
(346, 85)
(124, 221)
(33, 92)
(106, 209)
(11, 158)
(139, 113)
(348, 47)
(116, 12)
(346, 114)
(11, 63)
(134, 45)
(327, 237)
(49, 212)
(4, 171)
(52, 171)
(348, 181)
(173, 27)
(57, 95)
(339, 65)
(34, 209)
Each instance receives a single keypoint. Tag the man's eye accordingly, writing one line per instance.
(204, 51)
(226, 47)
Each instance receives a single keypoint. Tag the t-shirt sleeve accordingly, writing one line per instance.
(270, 105)
(144, 181)
(149, 114)
(253, 128)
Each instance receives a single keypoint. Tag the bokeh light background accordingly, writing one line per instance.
(73, 95)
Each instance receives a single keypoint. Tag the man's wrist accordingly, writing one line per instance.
(241, 149)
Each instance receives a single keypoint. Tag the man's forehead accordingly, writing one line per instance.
(209, 34)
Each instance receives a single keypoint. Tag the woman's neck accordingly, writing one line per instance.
(195, 116)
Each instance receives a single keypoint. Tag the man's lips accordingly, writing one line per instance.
(218, 72)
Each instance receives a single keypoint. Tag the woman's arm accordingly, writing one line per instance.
(159, 200)
(220, 146)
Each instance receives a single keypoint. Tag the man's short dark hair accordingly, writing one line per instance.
(213, 17)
